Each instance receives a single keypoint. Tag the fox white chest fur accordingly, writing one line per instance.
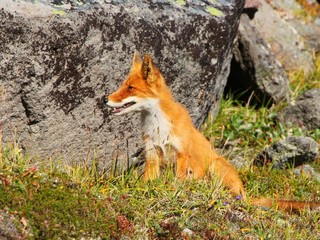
(156, 127)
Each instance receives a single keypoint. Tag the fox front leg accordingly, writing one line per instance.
(154, 158)
(182, 166)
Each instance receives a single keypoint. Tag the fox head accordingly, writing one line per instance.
(140, 90)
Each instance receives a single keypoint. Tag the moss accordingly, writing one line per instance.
(214, 11)
(58, 12)
(181, 2)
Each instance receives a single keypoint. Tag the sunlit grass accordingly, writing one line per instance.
(300, 82)
(309, 10)
(250, 127)
(57, 204)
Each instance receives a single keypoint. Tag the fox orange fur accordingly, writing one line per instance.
(165, 121)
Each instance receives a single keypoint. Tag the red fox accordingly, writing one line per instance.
(165, 121)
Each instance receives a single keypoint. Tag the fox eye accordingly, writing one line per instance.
(129, 88)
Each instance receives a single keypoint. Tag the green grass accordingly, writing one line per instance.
(250, 127)
(50, 203)
(300, 82)
(53, 200)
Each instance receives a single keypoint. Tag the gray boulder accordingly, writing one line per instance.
(58, 61)
(304, 112)
(292, 151)
(255, 71)
(293, 40)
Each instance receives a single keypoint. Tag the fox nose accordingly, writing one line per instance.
(105, 100)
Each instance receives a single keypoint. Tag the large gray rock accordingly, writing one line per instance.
(304, 112)
(255, 69)
(57, 64)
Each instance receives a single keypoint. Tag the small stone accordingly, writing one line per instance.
(239, 162)
(9, 226)
(292, 151)
(307, 170)
(187, 231)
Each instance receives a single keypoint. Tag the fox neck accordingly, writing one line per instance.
(156, 126)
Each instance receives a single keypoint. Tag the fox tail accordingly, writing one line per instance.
(287, 205)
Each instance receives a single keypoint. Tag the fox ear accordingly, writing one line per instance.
(148, 69)
(136, 59)
(145, 69)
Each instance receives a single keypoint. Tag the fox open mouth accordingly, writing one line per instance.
(120, 109)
